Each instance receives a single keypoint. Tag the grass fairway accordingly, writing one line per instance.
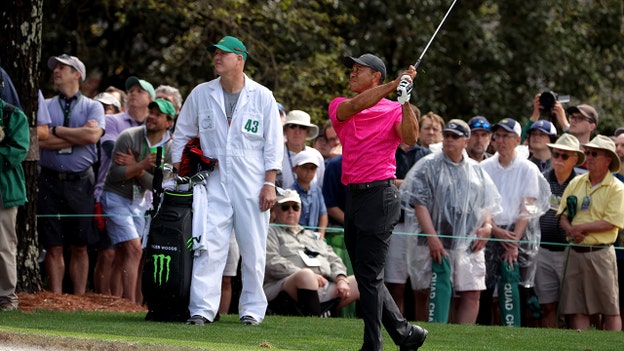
(129, 331)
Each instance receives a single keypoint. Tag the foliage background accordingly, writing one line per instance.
(490, 58)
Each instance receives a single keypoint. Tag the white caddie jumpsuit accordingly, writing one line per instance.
(246, 149)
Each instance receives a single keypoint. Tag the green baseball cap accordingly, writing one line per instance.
(230, 44)
(145, 85)
(165, 106)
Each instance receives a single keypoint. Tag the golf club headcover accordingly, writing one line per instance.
(404, 89)
(440, 292)
(509, 295)
(194, 161)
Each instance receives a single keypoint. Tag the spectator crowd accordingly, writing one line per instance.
(498, 223)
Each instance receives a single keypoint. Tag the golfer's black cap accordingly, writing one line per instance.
(368, 60)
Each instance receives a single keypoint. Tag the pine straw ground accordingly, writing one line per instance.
(65, 302)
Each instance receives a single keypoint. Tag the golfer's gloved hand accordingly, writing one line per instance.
(404, 89)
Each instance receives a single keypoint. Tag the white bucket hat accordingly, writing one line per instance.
(302, 118)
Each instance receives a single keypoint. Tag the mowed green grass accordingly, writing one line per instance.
(115, 330)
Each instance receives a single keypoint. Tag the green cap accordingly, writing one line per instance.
(164, 106)
(230, 44)
(145, 85)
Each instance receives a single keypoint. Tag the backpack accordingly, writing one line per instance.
(168, 260)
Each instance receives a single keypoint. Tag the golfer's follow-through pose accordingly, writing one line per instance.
(370, 128)
(238, 123)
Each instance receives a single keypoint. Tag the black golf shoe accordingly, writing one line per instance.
(414, 339)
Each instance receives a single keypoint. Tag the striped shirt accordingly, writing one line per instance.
(553, 237)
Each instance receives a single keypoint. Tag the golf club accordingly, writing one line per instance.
(434, 35)
(404, 89)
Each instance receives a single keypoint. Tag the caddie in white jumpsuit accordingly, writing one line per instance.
(238, 123)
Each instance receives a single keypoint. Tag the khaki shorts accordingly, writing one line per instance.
(548, 274)
(591, 283)
(396, 270)
(467, 270)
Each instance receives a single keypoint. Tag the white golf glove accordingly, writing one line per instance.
(404, 89)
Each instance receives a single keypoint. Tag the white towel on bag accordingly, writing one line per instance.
(200, 204)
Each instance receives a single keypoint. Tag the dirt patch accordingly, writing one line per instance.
(65, 302)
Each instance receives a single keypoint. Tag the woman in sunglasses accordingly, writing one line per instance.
(301, 265)
(297, 130)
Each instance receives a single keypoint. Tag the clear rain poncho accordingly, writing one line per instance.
(526, 194)
(459, 197)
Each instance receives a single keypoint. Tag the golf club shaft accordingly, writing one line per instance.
(434, 35)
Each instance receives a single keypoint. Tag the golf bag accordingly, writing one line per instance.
(168, 258)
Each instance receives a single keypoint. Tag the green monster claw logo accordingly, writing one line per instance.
(161, 263)
(189, 244)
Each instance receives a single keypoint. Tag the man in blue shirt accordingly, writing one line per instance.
(66, 180)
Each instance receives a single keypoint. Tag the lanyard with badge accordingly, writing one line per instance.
(587, 199)
(294, 175)
(67, 109)
(138, 192)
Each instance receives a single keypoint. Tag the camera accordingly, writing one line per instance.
(548, 98)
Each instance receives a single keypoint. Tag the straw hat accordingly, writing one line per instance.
(569, 142)
(605, 143)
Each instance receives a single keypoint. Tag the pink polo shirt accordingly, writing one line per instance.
(369, 141)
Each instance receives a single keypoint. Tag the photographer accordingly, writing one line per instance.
(581, 121)
(550, 108)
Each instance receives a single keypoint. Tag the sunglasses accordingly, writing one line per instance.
(564, 157)
(286, 207)
(482, 125)
(592, 153)
(295, 126)
(451, 135)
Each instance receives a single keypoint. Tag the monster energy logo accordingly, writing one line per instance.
(161, 265)
(189, 244)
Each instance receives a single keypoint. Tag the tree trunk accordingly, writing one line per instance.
(20, 53)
